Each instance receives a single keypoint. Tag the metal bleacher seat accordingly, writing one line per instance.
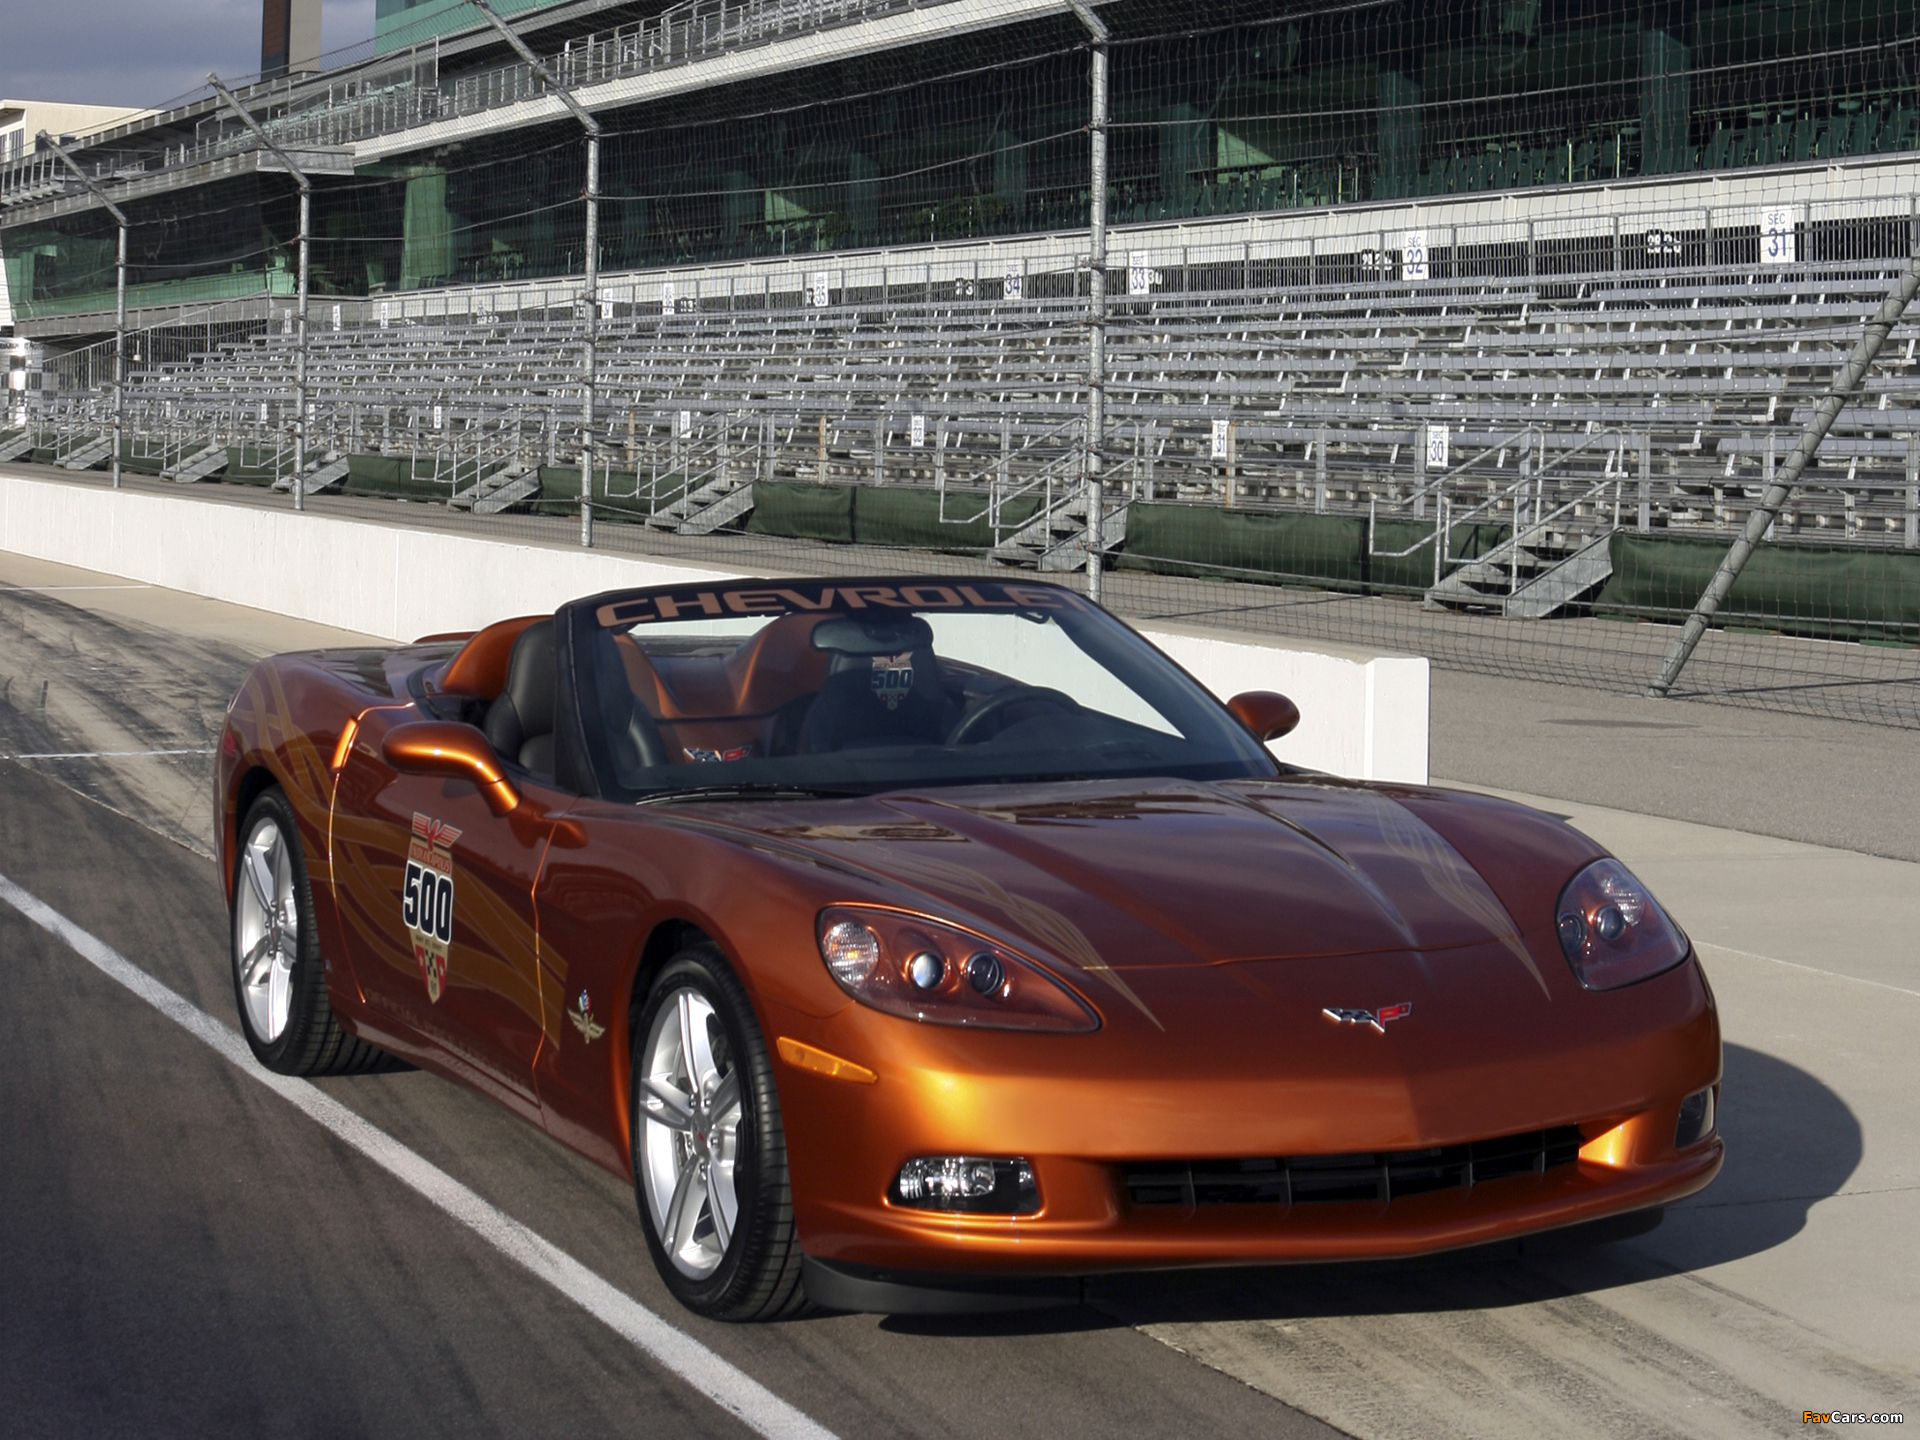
(1324, 382)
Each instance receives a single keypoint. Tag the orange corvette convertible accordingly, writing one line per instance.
(927, 944)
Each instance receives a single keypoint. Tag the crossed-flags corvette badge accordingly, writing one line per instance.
(1355, 1015)
(426, 898)
(583, 1021)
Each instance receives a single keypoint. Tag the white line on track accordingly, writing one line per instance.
(103, 754)
(729, 1387)
(58, 589)
(1810, 969)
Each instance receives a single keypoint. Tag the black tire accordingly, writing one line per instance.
(311, 1041)
(758, 1273)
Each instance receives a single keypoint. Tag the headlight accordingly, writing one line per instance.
(925, 970)
(1696, 1119)
(967, 1183)
(1612, 931)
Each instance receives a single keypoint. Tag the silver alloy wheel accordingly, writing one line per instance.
(266, 933)
(690, 1136)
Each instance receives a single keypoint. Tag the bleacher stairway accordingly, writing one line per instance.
(322, 475)
(497, 490)
(91, 453)
(707, 506)
(203, 464)
(1529, 577)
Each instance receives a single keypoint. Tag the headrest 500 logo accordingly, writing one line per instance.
(892, 678)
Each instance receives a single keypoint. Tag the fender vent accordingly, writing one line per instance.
(1375, 1178)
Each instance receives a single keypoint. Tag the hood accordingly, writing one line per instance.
(1118, 875)
(1212, 925)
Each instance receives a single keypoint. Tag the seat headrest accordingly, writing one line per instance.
(530, 678)
(845, 635)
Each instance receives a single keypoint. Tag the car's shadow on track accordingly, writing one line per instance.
(1791, 1142)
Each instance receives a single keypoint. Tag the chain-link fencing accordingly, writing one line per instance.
(1474, 335)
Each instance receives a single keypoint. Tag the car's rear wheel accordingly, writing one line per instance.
(709, 1152)
(279, 978)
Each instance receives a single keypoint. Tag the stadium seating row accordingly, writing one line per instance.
(1648, 398)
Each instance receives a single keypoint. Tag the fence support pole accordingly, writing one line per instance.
(1762, 516)
(1913, 492)
(1772, 468)
(1096, 293)
(119, 299)
(1644, 517)
(590, 361)
(300, 344)
(1320, 470)
(592, 296)
(1420, 476)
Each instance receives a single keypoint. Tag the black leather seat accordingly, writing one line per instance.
(519, 722)
(632, 736)
(883, 687)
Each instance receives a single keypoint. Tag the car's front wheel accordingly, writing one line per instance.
(279, 977)
(709, 1153)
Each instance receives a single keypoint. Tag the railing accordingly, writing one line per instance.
(1001, 487)
(682, 35)
(1525, 497)
(408, 91)
(666, 471)
(1436, 489)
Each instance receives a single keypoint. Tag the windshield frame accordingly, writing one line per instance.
(583, 621)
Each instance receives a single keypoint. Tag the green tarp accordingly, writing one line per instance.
(248, 465)
(1329, 550)
(131, 463)
(613, 498)
(803, 512)
(882, 515)
(562, 483)
(911, 519)
(1797, 589)
(391, 477)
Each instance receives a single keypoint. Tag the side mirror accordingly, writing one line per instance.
(1264, 713)
(459, 752)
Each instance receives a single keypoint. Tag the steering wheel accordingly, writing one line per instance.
(975, 720)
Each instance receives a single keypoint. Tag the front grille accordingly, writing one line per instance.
(1375, 1177)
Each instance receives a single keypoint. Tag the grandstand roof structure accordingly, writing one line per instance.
(744, 134)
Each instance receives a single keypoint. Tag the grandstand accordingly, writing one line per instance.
(1508, 309)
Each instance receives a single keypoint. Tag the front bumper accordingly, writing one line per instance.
(1097, 1215)
(1606, 1075)
(1086, 1226)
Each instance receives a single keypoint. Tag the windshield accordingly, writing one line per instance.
(781, 687)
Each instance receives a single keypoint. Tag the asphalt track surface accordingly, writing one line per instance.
(192, 1251)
